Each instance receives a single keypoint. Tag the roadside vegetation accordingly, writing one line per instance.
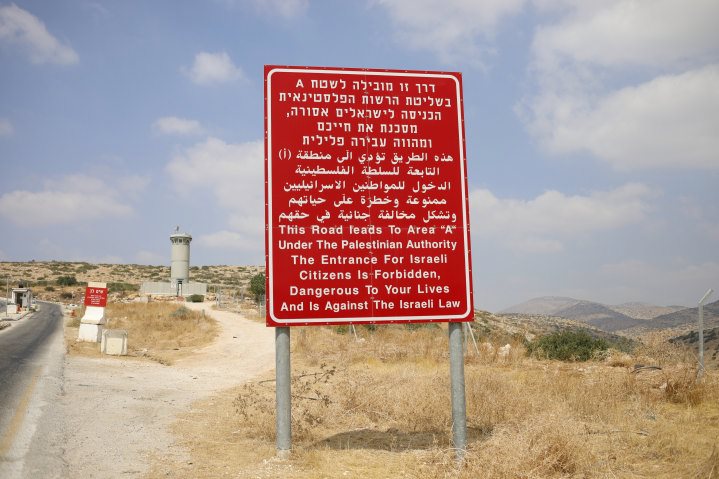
(568, 346)
(379, 407)
(160, 331)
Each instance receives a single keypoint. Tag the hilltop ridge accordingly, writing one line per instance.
(611, 318)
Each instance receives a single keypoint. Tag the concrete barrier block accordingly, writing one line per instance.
(91, 333)
(114, 342)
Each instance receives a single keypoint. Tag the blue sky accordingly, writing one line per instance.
(592, 131)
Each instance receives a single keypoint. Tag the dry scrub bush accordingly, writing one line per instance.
(255, 404)
(682, 386)
(658, 352)
(493, 398)
(710, 468)
(527, 418)
(161, 326)
(387, 343)
(408, 399)
(326, 399)
(618, 359)
(544, 445)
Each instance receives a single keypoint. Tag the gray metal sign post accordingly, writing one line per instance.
(282, 391)
(459, 404)
(700, 373)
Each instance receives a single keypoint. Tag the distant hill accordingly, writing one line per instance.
(605, 317)
(638, 310)
(599, 316)
(548, 305)
(688, 316)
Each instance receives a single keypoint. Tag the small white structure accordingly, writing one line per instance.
(93, 321)
(114, 342)
(20, 300)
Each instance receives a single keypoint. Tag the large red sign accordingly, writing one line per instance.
(366, 197)
(95, 296)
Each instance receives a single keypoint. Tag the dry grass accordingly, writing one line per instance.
(379, 407)
(248, 309)
(159, 331)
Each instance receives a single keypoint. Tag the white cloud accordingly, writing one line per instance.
(635, 83)
(679, 282)
(71, 199)
(234, 173)
(618, 33)
(50, 250)
(20, 27)
(213, 69)
(6, 128)
(228, 240)
(542, 224)
(272, 8)
(172, 125)
(670, 121)
(706, 222)
(285, 8)
(149, 257)
(452, 29)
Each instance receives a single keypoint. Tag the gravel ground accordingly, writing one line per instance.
(118, 411)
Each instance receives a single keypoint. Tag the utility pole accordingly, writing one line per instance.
(700, 372)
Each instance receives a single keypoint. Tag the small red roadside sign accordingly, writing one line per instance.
(367, 217)
(95, 296)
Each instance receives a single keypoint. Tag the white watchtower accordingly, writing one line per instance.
(180, 256)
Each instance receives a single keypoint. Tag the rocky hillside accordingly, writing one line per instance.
(507, 326)
(686, 317)
(65, 281)
(711, 344)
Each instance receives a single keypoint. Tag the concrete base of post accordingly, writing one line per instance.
(91, 333)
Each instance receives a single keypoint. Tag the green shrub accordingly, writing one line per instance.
(257, 286)
(567, 346)
(121, 287)
(181, 313)
(66, 281)
(66, 295)
(196, 298)
(49, 288)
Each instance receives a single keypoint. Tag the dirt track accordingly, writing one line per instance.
(118, 411)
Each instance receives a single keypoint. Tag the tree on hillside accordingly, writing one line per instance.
(257, 286)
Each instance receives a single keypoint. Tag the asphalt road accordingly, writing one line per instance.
(31, 369)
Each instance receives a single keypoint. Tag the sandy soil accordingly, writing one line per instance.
(119, 411)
